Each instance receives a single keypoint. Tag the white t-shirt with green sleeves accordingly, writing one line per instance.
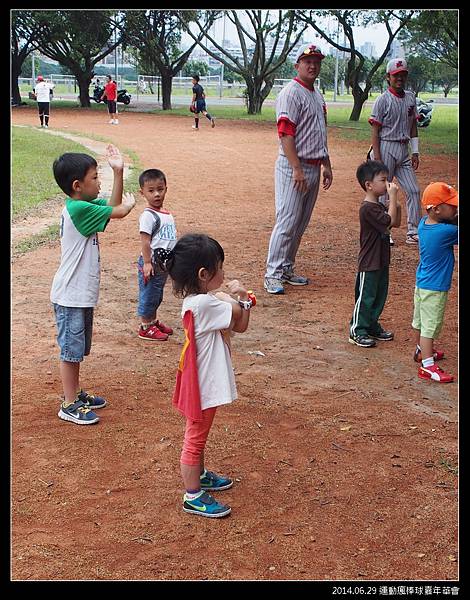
(77, 280)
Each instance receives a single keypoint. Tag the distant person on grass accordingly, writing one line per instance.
(157, 230)
(110, 93)
(199, 103)
(43, 94)
(374, 255)
(75, 287)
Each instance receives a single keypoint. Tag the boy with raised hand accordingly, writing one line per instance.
(75, 287)
(374, 255)
(438, 233)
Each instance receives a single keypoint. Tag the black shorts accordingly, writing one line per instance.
(112, 107)
(200, 105)
(43, 108)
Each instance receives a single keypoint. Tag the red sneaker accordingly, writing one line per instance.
(152, 334)
(163, 328)
(437, 355)
(435, 373)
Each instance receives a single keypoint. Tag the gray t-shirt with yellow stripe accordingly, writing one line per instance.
(77, 280)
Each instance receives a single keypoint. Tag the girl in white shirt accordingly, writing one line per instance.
(205, 378)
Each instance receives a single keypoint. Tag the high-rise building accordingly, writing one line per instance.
(368, 49)
(397, 50)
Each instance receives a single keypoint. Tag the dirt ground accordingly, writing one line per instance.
(344, 461)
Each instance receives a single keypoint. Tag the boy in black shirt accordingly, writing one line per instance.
(199, 103)
(374, 254)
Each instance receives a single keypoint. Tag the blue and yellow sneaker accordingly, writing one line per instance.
(78, 413)
(211, 482)
(205, 506)
(91, 401)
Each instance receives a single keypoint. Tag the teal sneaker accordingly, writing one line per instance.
(211, 482)
(205, 506)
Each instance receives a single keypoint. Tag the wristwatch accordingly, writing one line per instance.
(247, 304)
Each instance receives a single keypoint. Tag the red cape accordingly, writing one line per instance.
(186, 397)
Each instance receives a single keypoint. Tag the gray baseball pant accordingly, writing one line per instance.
(293, 212)
(395, 156)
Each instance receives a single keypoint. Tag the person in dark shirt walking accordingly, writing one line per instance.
(198, 103)
(374, 255)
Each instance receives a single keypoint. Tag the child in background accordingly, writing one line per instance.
(157, 230)
(374, 255)
(75, 287)
(438, 233)
(205, 378)
(198, 103)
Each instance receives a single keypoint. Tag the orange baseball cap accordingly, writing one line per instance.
(439, 193)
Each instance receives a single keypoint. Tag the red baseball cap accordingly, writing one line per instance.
(439, 193)
(396, 65)
(40, 78)
(311, 50)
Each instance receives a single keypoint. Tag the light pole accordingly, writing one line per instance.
(221, 86)
(336, 66)
(116, 70)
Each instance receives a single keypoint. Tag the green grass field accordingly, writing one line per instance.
(33, 152)
(33, 182)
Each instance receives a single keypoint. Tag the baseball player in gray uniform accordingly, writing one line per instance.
(301, 124)
(394, 127)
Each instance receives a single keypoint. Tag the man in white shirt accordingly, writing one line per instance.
(43, 92)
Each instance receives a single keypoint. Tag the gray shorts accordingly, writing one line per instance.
(74, 331)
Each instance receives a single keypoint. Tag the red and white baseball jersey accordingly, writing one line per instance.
(395, 115)
(300, 112)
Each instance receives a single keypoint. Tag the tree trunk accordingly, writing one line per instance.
(84, 82)
(360, 96)
(167, 84)
(255, 96)
(15, 73)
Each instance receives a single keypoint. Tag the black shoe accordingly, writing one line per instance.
(362, 340)
(383, 336)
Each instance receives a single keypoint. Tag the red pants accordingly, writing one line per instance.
(195, 438)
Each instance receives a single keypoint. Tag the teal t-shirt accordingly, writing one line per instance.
(436, 255)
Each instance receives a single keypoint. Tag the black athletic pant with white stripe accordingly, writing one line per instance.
(293, 212)
(370, 293)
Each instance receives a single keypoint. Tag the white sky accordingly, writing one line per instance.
(377, 34)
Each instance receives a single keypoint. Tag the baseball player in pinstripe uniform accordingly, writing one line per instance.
(301, 124)
(394, 127)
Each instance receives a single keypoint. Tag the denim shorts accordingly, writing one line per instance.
(150, 293)
(74, 330)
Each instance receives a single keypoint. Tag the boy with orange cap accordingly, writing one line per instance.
(438, 233)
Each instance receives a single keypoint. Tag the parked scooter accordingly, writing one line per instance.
(424, 110)
(122, 95)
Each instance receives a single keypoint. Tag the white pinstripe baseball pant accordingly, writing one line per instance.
(396, 157)
(293, 213)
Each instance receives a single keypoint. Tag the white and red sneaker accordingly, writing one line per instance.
(152, 333)
(163, 328)
(437, 355)
(435, 373)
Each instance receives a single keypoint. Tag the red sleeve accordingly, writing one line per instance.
(285, 127)
(374, 122)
